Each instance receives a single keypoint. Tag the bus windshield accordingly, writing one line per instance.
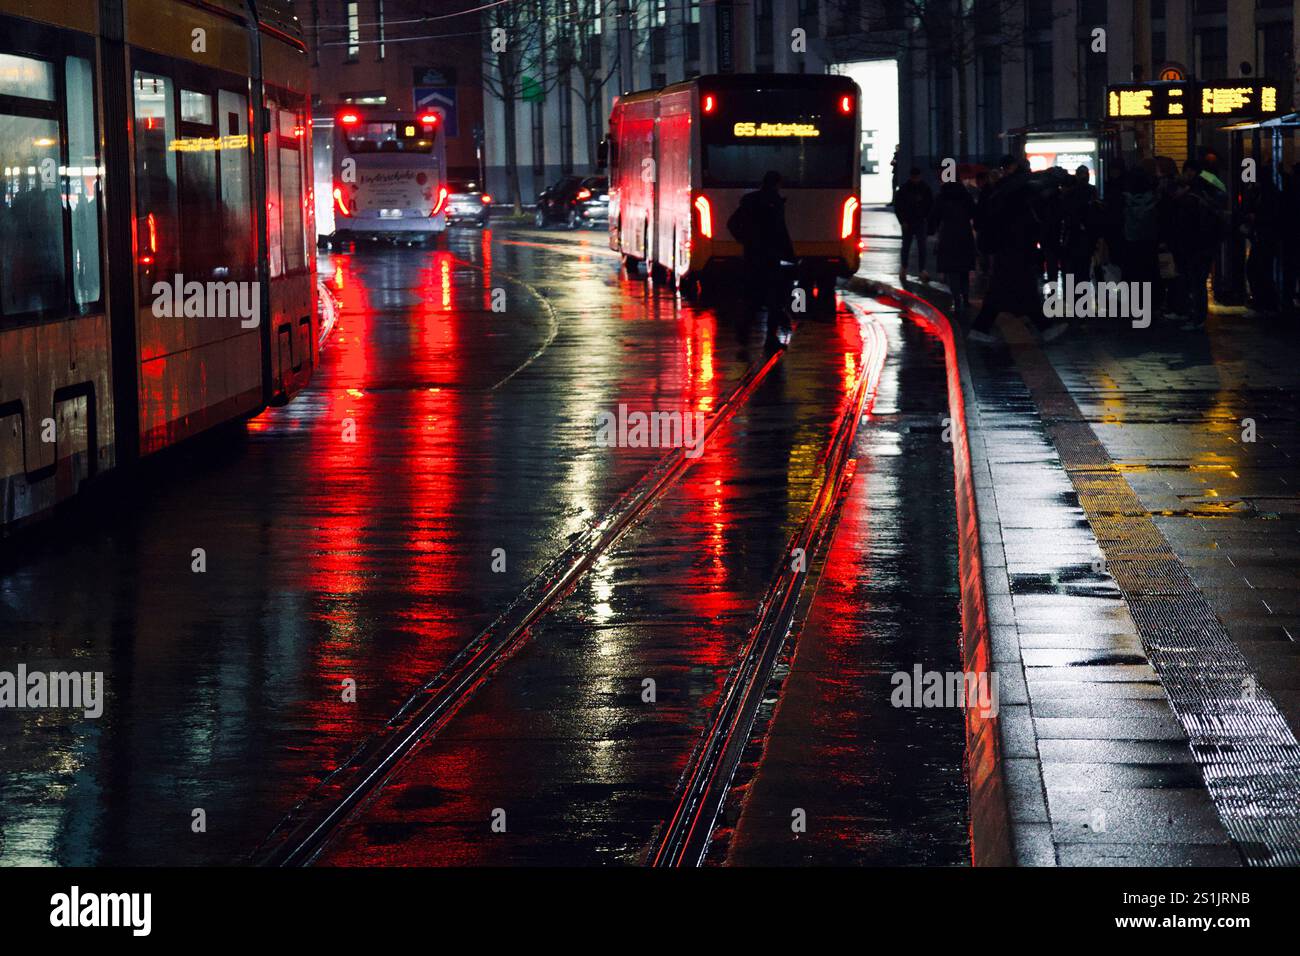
(748, 132)
(392, 137)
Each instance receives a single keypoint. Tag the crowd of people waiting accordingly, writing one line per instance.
(1157, 224)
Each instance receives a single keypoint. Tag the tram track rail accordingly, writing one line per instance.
(687, 835)
(309, 826)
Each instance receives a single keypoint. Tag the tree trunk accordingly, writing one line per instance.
(512, 158)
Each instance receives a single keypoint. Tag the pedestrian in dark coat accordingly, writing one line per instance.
(912, 204)
(951, 218)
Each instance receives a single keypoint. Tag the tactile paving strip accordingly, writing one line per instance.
(1248, 754)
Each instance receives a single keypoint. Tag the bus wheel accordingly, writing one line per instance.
(825, 297)
(632, 266)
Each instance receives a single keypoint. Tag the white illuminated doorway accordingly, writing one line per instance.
(878, 80)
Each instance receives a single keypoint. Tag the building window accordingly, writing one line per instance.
(1277, 56)
(763, 27)
(1094, 83)
(693, 30)
(1041, 85)
(940, 107)
(1092, 13)
(354, 32)
(1212, 53)
(990, 102)
(1038, 14)
(379, 24)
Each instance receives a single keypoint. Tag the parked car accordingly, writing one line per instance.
(467, 203)
(573, 201)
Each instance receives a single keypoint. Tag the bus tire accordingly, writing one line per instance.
(632, 266)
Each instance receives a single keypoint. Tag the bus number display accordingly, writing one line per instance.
(775, 129)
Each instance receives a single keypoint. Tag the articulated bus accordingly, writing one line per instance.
(157, 276)
(681, 158)
(389, 174)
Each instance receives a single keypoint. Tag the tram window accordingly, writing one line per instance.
(291, 209)
(202, 252)
(274, 241)
(236, 185)
(196, 107)
(25, 77)
(83, 196)
(156, 178)
(32, 268)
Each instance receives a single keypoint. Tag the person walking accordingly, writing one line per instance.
(1081, 226)
(758, 224)
(912, 203)
(1202, 211)
(951, 218)
(1013, 231)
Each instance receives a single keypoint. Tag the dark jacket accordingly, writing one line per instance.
(912, 203)
(758, 224)
(951, 218)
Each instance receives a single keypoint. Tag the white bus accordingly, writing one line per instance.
(681, 158)
(389, 175)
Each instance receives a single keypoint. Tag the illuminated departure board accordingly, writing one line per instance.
(1225, 99)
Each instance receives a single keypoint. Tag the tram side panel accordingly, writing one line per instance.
(290, 221)
(56, 410)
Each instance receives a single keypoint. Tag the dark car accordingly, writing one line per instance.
(574, 201)
(466, 202)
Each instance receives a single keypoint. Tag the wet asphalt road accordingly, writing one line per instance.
(368, 531)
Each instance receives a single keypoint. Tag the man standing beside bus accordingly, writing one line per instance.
(758, 224)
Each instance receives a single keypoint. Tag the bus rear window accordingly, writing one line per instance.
(790, 131)
(399, 137)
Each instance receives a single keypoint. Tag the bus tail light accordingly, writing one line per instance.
(705, 210)
(340, 204)
(710, 104)
(441, 201)
(849, 217)
(846, 105)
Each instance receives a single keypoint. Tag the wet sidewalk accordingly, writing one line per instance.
(1138, 516)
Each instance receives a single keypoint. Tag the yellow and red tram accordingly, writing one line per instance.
(157, 275)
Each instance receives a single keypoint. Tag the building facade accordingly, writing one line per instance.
(963, 71)
(407, 54)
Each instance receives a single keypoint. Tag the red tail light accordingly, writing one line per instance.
(846, 104)
(583, 194)
(710, 104)
(428, 119)
(442, 201)
(849, 217)
(340, 204)
(487, 200)
(705, 210)
(349, 119)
